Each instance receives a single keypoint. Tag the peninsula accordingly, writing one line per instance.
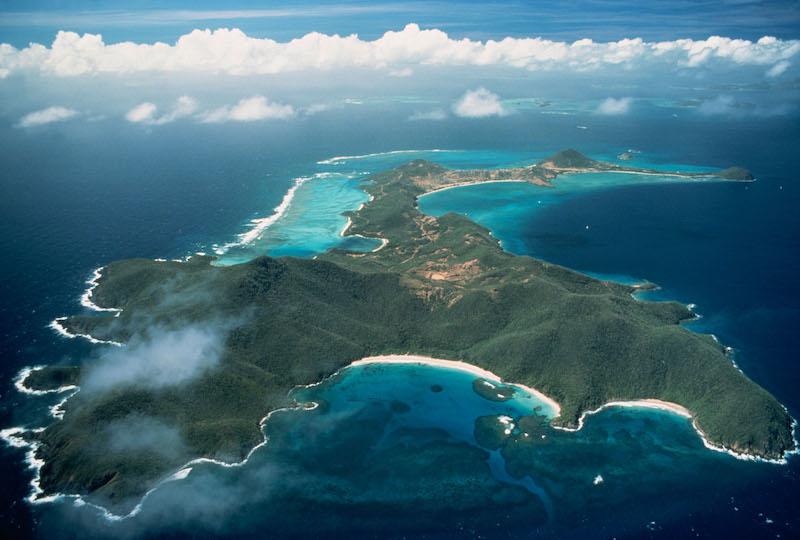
(438, 287)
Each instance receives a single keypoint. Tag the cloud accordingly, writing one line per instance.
(46, 116)
(233, 52)
(249, 110)
(184, 106)
(778, 69)
(479, 103)
(612, 106)
(145, 113)
(142, 113)
(435, 114)
(158, 358)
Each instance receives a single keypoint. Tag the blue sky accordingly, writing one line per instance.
(601, 20)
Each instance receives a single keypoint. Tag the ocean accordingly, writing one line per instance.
(74, 201)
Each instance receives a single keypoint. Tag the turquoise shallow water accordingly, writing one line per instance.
(310, 221)
(502, 206)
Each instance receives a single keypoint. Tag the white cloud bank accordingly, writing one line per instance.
(250, 110)
(231, 51)
(246, 110)
(146, 113)
(479, 103)
(46, 116)
(612, 106)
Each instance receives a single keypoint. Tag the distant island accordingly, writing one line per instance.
(566, 161)
(438, 287)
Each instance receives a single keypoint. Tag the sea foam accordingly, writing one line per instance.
(341, 159)
(259, 225)
(86, 297)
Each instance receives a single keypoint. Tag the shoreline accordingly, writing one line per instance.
(12, 435)
(457, 365)
(22, 376)
(13, 438)
(56, 325)
(259, 225)
(384, 243)
(347, 224)
(646, 403)
(701, 176)
(709, 175)
(86, 297)
(680, 410)
(475, 183)
(86, 301)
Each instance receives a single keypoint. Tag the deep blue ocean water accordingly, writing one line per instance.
(73, 201)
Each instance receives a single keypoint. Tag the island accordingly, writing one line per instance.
(437, 287)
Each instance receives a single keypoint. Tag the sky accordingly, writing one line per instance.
(151, 64)
(21, 22)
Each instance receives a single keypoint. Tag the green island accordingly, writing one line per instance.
(440, 287)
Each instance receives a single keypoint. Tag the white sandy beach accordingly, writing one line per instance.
(474, 183)
(649, 403)
(458, 365)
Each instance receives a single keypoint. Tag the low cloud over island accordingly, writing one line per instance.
(157, 358)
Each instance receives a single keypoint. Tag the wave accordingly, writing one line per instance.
(86, 297)
(339, 159)
(56, 325)
(259, 225)
(22, 376)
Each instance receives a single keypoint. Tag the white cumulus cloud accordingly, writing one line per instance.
(142, 113)
(233, 52)
(479, 103)
(47, 116)
(249, 110)
(613, 106)
(146, 113)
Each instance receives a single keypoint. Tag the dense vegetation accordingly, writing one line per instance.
(52, 377)
(441, 287)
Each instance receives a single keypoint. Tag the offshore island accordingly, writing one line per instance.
(436, 287)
